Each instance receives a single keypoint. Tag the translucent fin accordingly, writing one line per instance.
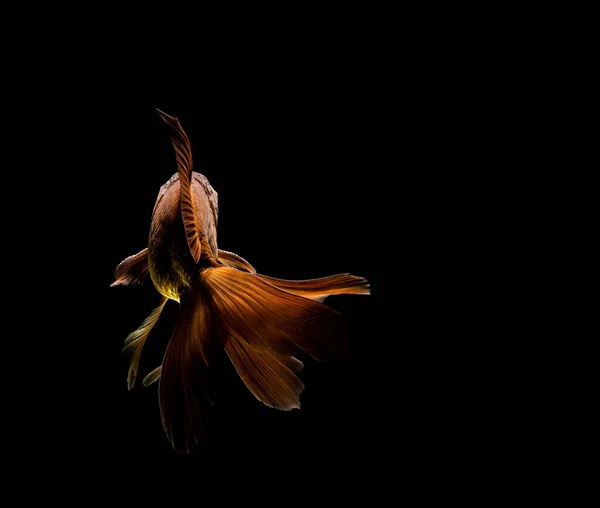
(266, 375)
(183, 369)
(267, 318)
(135, 341)
(152, 377)
(319, 289)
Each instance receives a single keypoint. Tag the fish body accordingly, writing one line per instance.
(261, 322)
(171, 264)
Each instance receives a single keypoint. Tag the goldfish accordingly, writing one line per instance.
(264, 324)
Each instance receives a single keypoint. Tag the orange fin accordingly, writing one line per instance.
(319, 289)
(132, 271)
(267, 318)
(235, 261)
(135, 341)
(266, 375)
(183, 154)
(183, 368)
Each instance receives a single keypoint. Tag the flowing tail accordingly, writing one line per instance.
(260, 326)
(184, 367)
(319, 289)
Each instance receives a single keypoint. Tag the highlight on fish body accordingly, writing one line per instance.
(263, 323)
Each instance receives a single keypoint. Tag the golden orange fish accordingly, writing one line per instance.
(260, 321)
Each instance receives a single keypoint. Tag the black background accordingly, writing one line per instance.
(380, 143)
(296, 208)
(321, 168)
(304, 183)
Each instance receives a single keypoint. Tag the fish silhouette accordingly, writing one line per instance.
(261, 322)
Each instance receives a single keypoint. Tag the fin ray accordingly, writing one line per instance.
(267, 318)
(266, 375)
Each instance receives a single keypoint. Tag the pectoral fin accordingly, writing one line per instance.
(132, 271)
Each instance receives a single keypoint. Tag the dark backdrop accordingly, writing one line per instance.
(328, 173)
(362, 146)
(303, 182)
(297, 206)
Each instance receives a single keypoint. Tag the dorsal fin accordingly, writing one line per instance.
(183, 154)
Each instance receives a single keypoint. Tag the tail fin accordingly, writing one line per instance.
(315, 289)
(319, 289)
(265, 318)
(184, 366)
(264, 326)
(261, 328)
(268, 376)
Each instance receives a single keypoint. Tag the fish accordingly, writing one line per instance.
(264, 324)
